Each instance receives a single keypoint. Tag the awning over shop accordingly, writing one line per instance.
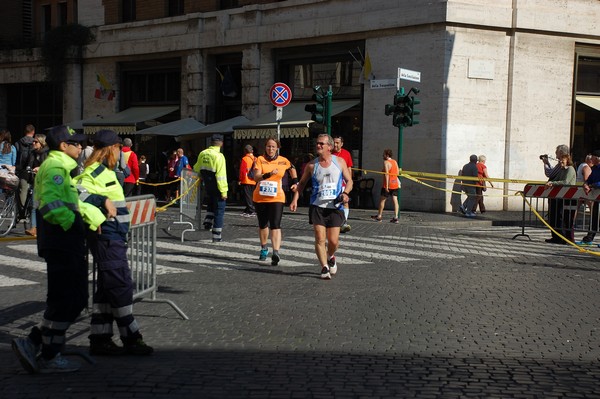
(590, 101)
(294, 123)
(126, 121)
(175, 128)
(223, 127)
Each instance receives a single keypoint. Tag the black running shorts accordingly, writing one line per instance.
(327, 217)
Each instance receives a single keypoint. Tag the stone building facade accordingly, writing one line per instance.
(510, 79)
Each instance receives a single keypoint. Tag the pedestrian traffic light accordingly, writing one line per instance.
(318, 110)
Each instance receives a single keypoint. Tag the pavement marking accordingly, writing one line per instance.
(40, 266)
(398, 249)
(234, 254)
(32, 265)
(13, 282)
(365, 253)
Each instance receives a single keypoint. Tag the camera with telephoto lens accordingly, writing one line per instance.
(543, 156)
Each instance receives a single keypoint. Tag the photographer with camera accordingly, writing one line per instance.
(555, 206)
(549, 170)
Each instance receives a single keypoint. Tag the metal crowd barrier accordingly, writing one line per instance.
(567, 209)
(189, 202)
(141, 253)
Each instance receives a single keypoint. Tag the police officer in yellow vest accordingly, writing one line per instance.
(211, 167)
(61, 242)
(113, 299)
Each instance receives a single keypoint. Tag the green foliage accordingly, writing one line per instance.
(57, 45)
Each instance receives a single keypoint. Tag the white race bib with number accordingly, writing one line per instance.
(268, 188)
(328, 191)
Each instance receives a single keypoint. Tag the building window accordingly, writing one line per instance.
(46, 19)
(128, 10)
(152, 83)
(225, 4)
(62, 14)
(175, 8)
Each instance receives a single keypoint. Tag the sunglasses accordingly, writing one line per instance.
(73, 143)
(321, 144)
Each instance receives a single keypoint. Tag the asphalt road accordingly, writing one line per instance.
(437, 306)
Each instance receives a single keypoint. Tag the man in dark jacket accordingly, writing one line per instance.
(468, 187)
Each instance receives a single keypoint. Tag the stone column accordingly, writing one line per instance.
(192, 93)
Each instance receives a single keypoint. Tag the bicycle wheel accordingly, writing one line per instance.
(8, 213)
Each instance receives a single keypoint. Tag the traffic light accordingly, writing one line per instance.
(399, 109)
(317, 110)
(412, 103)
(403, 109)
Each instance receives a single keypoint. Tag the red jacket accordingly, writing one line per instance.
(134, 166)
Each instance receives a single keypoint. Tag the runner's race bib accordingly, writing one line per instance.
(268, 188)
(327, 191)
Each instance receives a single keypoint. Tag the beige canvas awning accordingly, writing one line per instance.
(175, 128)
(294, 123)
(590, 101)
(125, 122)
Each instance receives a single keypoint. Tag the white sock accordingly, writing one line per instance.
(346, 213)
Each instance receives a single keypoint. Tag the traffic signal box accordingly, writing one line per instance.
(403, 109)
(321, 109)
(318, 109)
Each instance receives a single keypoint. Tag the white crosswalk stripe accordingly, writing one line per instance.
(298, 251)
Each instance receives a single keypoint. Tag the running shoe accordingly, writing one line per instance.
(376, 218)
(275, 259)
(394, 220)
(325, 275)
(263, 254)
(331, 263)
(345, 228)
(57, 364)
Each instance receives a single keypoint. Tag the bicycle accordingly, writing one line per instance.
(11, 209)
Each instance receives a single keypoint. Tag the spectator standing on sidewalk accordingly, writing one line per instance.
(468, 187)
(551, 173)
(326, 174)
(592, 182)
(212, 168)
(585, 169)
(8, 152)
(481, 184)
(61, 242)
(172, 188)
(24, 146)
(246, 181)
(131, 159)
(390, 187)
(339, 151)
(269, 197)
(561, 220)
(36, 157)
(113, 299)
(144, 171)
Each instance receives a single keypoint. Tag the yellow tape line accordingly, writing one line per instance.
(456, 177)
(165, 207)
(556, 232)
